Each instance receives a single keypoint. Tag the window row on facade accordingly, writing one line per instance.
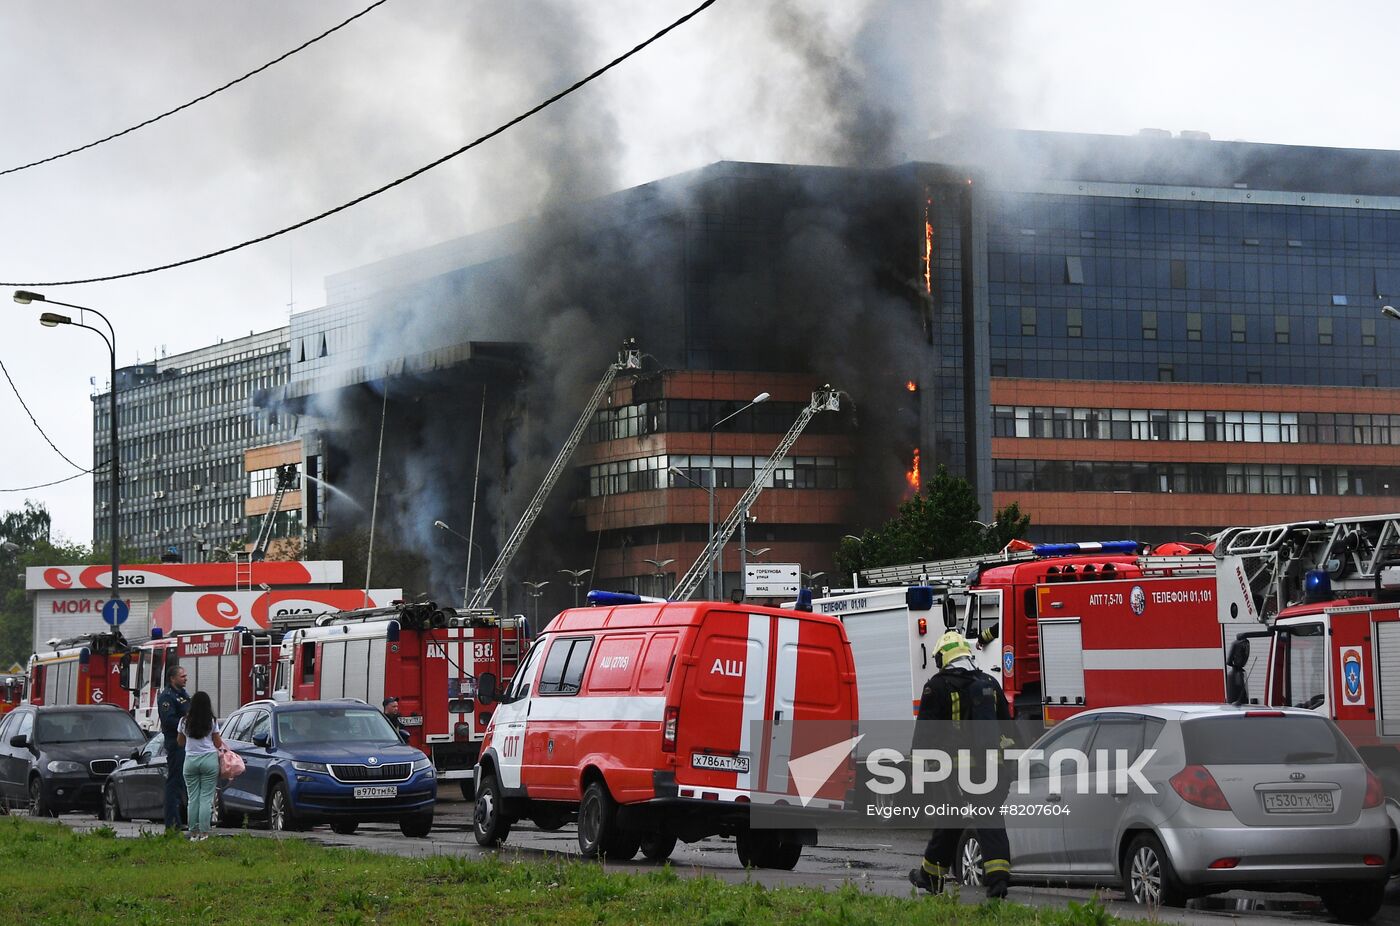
(699, 415)
(1193, 478)
(209, 515)
(730, 471)
(1198, 326)
(1190, 425)
(199, 436)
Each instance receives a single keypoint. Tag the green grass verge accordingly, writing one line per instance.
(51, 875)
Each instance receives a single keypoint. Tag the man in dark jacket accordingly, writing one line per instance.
(172, 705)
(964, 709)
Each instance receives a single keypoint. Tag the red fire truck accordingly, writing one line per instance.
(80, 670)
(426, 657)
(12, 691)
(1132, 641)
(1340, 657)
(233, 666)
(996, 601)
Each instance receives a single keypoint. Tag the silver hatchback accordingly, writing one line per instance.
(1245, 798)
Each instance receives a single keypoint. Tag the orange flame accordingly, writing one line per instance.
(912, 386)
(912, 477)
(928, 246)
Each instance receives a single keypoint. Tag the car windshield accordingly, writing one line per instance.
(53, 727)
(334, 725)
(1259, 739)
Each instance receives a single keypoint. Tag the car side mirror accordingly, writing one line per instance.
(124, 674)
(486, 689)
(137, 753)
(950, 613)
(403, 735)
(260, 681)
(20, 741)
(262, 739)
(1239, 654)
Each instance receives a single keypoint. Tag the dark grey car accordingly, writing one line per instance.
(136, 790)
(57, 758)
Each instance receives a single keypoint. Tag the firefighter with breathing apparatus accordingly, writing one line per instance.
(964, 712)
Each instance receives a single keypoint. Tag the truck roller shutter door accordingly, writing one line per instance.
(357, 669)
(1387, 644)
(376, 672)
(333, 669)
(229, 667)
(1062, 661)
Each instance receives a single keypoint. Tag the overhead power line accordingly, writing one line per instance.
(404, 179)
(35, 421)
(198, 99)
(45, 485)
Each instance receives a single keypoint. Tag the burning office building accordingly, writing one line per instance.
(1130, 336)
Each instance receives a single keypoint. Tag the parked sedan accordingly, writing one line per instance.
(1246, 799)
(337, 762)
(56, 758)
(136, 790)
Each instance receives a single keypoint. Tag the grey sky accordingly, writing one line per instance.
(824, 81)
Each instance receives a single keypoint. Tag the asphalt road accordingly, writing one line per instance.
(875, 860)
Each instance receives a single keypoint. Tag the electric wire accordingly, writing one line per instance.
(45, 485)
(198, 99)
(34, 421)
(393, 183)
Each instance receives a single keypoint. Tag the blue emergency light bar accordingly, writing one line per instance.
(599, 598)
(1128, 547)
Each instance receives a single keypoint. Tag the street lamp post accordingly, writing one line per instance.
(718, 563)
(467, 585)
(660, 566)
(575, 579)
(53, 320)
(536, 590)
(811, 578)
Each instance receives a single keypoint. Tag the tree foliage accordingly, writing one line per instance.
(25, 541)
(938, 523)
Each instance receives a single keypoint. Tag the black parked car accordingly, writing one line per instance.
(57, 758)
(136, 790)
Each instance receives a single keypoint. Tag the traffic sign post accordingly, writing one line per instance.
(772, 580)
(115, 611)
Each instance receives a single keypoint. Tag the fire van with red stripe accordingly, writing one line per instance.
(660, 721)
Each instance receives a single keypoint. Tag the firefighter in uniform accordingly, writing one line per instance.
(172, 705)
(964, 708)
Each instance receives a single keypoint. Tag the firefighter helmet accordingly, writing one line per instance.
(951, 646)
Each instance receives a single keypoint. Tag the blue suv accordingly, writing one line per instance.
(338, 762)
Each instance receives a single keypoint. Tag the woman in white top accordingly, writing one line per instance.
(199, 737)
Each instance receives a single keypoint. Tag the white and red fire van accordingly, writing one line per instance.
(662, 721)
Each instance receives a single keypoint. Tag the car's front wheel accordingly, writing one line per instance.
(968, 864)
(111, 807)
(1355, 903)
(1148, 875)
(38, 804)
(417, 826)
(489, 822)
(281, 816)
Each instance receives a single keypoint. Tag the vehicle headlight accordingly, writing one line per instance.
(422, 765)
(318, 767)
(60, 767)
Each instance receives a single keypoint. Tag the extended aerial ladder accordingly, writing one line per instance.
(1277, 557)
(825, 399)
(628, 358)
(962, 570)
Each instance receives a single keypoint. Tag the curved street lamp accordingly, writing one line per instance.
(53, 320)
(575, 579)
(466, 587)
